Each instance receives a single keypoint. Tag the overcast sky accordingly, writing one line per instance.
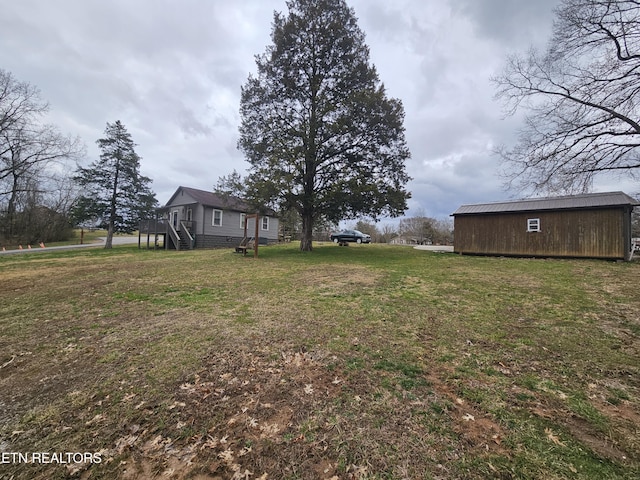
(171, 71)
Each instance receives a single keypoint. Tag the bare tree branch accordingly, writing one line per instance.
(581, 98)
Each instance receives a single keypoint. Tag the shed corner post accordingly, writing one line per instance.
(628, 243)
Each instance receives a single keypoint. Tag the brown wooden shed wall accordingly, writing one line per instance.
(596, 233)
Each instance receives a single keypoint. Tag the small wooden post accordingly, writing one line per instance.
(255, 241)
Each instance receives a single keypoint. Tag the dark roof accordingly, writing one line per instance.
(211, 199)
(569, 202)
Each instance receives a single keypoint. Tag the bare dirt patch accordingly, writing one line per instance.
(239, 412)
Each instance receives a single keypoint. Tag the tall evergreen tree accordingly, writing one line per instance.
(317, 128)
(113, 190)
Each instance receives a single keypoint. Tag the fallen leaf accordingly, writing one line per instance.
(211, 442)
(468, 417)
(554, 438)
(125, 442)
(226, 456)
(74, 468)
(97, 418)
(359, 471)
(242, 476)
(308, 389)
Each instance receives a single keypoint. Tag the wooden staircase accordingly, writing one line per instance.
(185, 240)
(182, 238)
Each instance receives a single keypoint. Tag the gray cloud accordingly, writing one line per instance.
(172, 72)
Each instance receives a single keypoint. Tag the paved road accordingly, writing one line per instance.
(435, 248)
(117, 240)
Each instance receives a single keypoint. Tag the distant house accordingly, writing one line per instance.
(595, 225)
(403, 240)
(409, 240)
(195, 218)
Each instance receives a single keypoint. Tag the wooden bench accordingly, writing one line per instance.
(243, 248)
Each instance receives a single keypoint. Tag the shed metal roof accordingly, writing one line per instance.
(569, 202)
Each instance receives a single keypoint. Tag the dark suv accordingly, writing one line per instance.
(350, 236)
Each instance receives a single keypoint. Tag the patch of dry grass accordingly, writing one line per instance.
(361, 362)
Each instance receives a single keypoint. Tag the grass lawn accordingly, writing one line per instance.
(366, 362)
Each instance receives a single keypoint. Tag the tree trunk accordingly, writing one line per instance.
(114, 195)
(11, 207)
(306, 241)
(108, 243)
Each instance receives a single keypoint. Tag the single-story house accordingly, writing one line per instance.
(403, 240)
(195, 218)
(409, 240)
(593, 225)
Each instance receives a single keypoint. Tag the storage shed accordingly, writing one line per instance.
(593, 225)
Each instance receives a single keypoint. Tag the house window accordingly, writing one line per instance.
(265, 223)
(217, 218)
(243, 217)
(533, 225)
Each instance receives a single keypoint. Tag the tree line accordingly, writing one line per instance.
(43, 191)
(415, 230)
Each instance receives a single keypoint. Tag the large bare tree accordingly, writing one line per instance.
(28, 148)
(581, 96)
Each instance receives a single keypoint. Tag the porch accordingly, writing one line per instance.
(180, 236)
